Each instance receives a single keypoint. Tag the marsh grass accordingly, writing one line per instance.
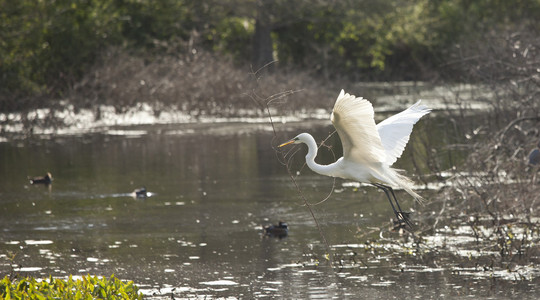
(196, 84)
(199, 83)
(495, 192)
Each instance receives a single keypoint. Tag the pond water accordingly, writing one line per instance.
(199, 233)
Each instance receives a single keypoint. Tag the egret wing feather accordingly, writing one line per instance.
(395, 131)
(354, 121)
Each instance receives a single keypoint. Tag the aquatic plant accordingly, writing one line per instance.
(86, 287)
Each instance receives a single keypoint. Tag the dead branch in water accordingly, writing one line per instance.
(284, 157)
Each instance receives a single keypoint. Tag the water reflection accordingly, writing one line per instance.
(200, 233)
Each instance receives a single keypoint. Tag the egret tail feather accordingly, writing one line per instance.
(404, 182)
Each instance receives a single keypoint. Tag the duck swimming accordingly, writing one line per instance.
(47, 179)
(281, 230)
(140, 193)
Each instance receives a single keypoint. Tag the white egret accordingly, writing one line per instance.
(369, 150)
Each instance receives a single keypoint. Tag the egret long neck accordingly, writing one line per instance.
(310, 159)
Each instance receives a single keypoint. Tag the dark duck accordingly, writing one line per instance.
(47, 179)
(280, 230)
(140, 193)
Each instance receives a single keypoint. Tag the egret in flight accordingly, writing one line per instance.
(369, 150)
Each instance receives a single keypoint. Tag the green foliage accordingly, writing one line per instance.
(232, 35)
(89, 287)
(49, 44)
(394, 39)
(147, 23)
(46, 46)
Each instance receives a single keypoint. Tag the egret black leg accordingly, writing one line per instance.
(404, 215)
(385, 190)
(400, 214)
(395, 200)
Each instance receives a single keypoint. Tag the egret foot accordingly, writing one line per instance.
(403, 220)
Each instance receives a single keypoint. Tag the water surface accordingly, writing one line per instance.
(199, 234)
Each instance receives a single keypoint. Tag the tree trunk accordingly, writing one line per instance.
(263, 48)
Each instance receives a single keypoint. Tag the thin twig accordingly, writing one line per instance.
(440, 213)
(293, 179)
(513, 123)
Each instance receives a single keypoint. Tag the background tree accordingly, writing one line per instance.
(47, 46)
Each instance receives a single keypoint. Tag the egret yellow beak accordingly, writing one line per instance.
(287, 143)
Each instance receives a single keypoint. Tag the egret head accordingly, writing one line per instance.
(301, 138)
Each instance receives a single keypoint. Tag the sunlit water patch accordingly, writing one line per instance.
(40, 242)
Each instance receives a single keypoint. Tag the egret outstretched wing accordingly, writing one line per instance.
(353, 119)
(395, 131)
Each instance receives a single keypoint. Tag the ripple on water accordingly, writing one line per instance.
(219, 282)
(38, 242)
(28, 269)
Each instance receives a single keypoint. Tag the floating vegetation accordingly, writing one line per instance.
(467, 248)
(84, 287)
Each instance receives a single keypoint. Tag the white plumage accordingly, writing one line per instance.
(396, 130)
(369, 150)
